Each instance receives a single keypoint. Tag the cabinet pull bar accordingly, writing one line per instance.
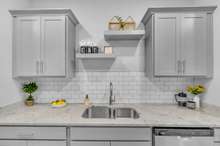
(31, 135)
(37, 67)
(179, 66)
(42, 67)
(184, 66)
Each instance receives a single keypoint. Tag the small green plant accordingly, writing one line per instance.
(121, 22)
(30, 88)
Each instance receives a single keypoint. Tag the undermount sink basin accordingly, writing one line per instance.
(126, 113)
(108, 112)
(97, 112)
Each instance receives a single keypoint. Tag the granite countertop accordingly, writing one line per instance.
(151, 115)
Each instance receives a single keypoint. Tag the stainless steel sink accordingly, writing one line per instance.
(126, 113)
(108, 112)
(97, 112)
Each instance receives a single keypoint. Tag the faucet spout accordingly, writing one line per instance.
(111, 99)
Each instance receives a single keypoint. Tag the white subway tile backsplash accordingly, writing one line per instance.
(129, 87)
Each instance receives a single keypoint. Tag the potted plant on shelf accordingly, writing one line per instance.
(30, 88)
(196, 90)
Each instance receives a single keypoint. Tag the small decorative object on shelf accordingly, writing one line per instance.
(108, 50)
(30, 88)
(129, 24)
(196, 90)
(114, 23)
(88, 47)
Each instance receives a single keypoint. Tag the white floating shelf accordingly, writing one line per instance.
(124, 35)
(95, 56)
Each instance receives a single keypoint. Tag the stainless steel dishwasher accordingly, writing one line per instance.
(183, 137)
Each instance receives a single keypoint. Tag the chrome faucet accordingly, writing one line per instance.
(111, 99)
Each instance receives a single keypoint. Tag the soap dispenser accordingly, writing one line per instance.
(87, 101)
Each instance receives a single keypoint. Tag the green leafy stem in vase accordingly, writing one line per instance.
(30, 88)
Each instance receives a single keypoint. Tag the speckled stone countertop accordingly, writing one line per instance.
(152, 115)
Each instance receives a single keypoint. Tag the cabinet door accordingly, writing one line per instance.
(166, 44)
(12, 143)
(194, 47)
(53, 46)
(46, 143)
(27, 46)
(131, 143)
(90, 143)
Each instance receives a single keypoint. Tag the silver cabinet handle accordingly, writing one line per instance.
(37, 66)
(184, 66)
(179, 66)
(42, 67)
(25, 136)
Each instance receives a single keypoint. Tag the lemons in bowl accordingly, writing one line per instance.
(58, 103)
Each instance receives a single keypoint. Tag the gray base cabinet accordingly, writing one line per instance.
(90, 143)
(31, 143)
(114, 136)
(109, 143)
(12, 143)
(33, 136)
(46, 143)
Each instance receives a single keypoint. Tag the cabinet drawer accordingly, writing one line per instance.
(91, 133)
(131, 143)
(46, 143)
(32, 133)
(13, 143)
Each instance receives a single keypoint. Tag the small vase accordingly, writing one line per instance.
(196, 99)
(29, 102)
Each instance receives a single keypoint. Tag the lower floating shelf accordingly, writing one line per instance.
(94, 56)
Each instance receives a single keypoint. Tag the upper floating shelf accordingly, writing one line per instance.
(95, 56)
(123, 35)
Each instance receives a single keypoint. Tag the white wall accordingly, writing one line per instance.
(212, 96)
(9, 91)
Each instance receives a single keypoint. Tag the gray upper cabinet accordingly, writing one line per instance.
(165, 51)
(179, 41)
(43, 43)
(194, 44)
